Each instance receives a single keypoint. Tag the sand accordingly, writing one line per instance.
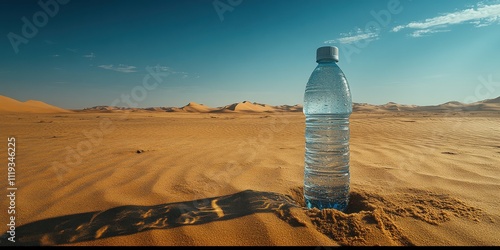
(9, 105)
(235, 178)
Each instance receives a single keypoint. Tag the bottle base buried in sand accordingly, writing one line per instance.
(335, 197)
(322, 204)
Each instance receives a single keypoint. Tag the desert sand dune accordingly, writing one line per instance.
(195, 107)
(9, 105)
(495, 100)
(254, 107)
(247, 106)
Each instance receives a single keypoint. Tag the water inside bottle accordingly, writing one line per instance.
(326, 179)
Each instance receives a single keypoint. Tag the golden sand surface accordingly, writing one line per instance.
(159, 178)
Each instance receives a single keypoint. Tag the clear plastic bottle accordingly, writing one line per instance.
(327, 108)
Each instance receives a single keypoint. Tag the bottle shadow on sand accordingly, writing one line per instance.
(126, 220)
(370, 218)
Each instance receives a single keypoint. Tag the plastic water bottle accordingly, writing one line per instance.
(327, 107)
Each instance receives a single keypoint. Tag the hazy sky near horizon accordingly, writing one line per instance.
(83, 53)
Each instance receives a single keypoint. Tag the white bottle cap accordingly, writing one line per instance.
(327, 53)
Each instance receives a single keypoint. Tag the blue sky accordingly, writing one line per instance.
(216, 52)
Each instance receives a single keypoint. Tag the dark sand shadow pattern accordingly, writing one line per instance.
(126, 220)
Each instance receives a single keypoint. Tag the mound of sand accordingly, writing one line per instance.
(247, 106)
(9, 105)
(289, 108)
(452, 106)
(254, 107)
(195, 107)
(496, 100)
(364, 107)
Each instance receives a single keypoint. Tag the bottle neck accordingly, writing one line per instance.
(326, 62)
